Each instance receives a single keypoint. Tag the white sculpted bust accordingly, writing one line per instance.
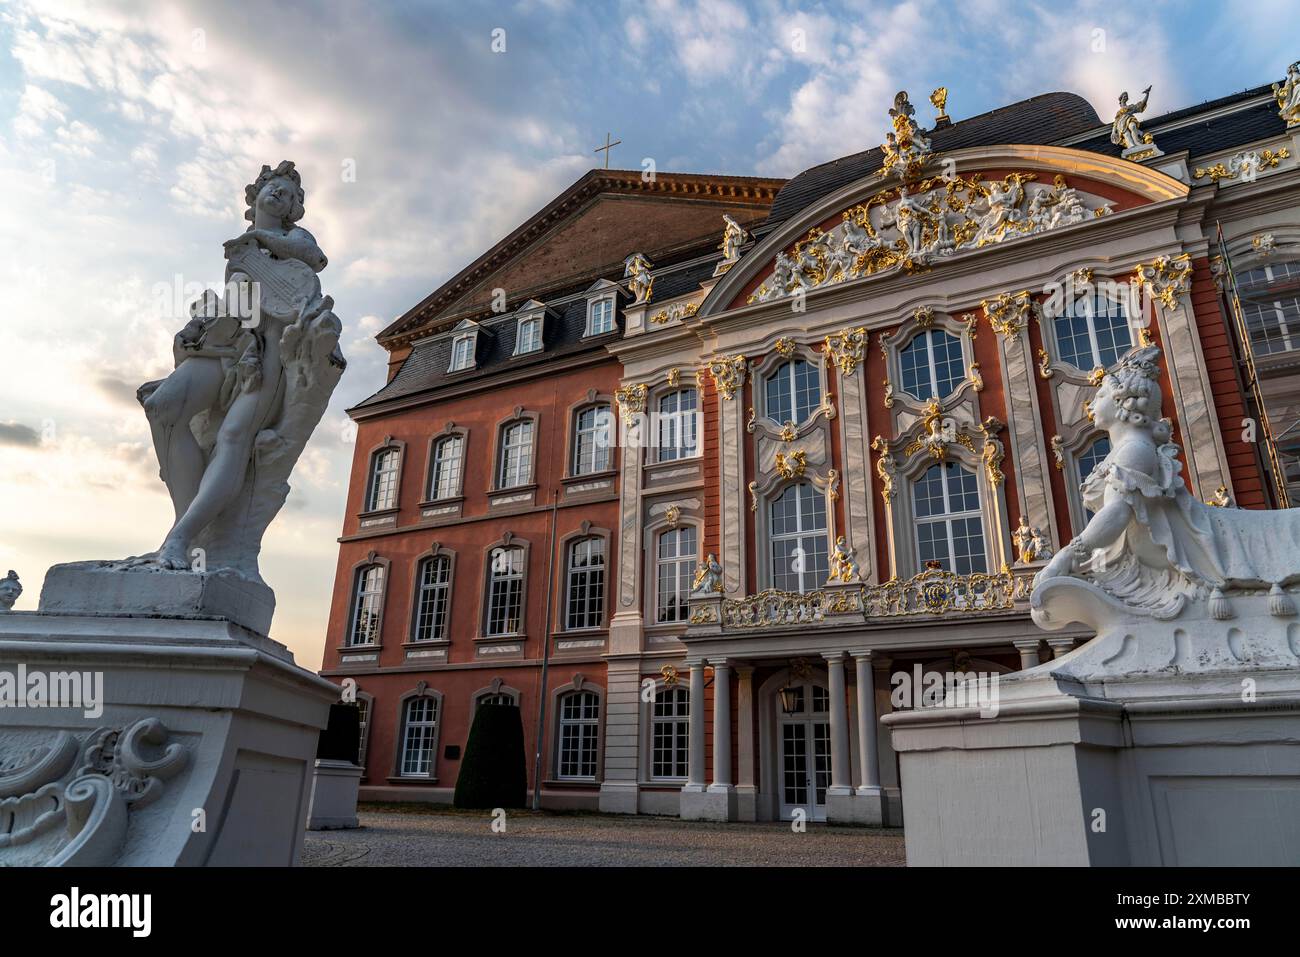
(230, 422)
(10, 589)
(1150, 546)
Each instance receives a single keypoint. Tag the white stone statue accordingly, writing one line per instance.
(1288, 96)
(1002, 208)
(636, 270)
(230, 422)
(733, 237)
(10, 589)
(708, 578)
(1124, 130)
(910, 216)
(844, 567)
(1151, 546)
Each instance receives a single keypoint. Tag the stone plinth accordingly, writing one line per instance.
(199, 752)
(1170, 742)
(107, 588)
(334, 787)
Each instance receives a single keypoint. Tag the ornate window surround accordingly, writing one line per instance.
(363, 747)
(591, 400)
(449, 430)
(585, 530)
(650, 570)
(518, 415)
(435, 550)
(371, 559)
(779, 352)
(506, 541)
(529, 311)
(647, 728)
(649, 455)
(1052, 363)
(421, 690)
(927, 319)
(771, 488)
(602, 290)
(1081, 438)
(388, 443)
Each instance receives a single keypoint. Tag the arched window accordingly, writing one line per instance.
(591, 440)
(384, 466)
(678, 425)
(798, 534)
(1093, 331)
(367, 605)
(674, 572)
(585, 601)
(419, 736)
(932, 365)
(462, 353)
(670, 729)
(495, 697)
(793, 391)
(1089, 459)
(448, 467)
(579, 728)
(516, 466)
(949, 524)
(505, 591)
(432, 583)
(1270, 303)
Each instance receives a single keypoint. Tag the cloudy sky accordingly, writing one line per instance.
(128, 130)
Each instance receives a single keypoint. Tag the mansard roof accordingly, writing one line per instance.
(1040, 120)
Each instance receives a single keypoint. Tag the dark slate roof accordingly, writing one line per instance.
(426, 366)
(1209, 136)
(1042, 119)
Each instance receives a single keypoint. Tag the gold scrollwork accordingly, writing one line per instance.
(792, 465)
(1045, 369)
(846, 348)
(1058, 451)
(785, 347)
(728, 374)
(1006, 312)
(631, 399)
(1165, 277)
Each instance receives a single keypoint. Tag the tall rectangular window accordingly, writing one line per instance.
(949, 524)
(585, 603)
(448, 463)
(505, 591)
(433, 584)
(670, 729)
(516, 455)
(367, 605)
(383, 480)
(1093, 332)
(529, 336)
(579, 728)
(678, 425)
(798, 535)
(591, 440)
(674, 572)
(419, 736)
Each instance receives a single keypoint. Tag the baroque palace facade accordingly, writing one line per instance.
(703, 472)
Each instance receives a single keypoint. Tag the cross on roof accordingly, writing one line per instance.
(607, 147)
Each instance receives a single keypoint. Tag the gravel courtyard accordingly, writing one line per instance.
(398, 835)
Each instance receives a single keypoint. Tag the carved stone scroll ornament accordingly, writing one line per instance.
(847, 348)
(1166, 278)
(728, 374)
(1150, 547)
(631, 399)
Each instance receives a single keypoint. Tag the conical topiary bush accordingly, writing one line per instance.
(494, 772)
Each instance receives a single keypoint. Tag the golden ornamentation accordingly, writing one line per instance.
(674, 312)
(1095, 376)
(1144, 336)
(785, 346)
(1087, 411)
(672, 515)
(844, 568)
(972, 325)
(631, 399)
(1221, 498)
(787, 433)
(938, 592)
(1143, 154)
(800, 670)
(827, 405)
(923, 316)
(1045, 364)
(905, 149)
(753, 496)
(708, 572)
(884, 468)
(889, 386)
(833, 485)
(992, 453)
(1263, 243)
(1007, 312)
(669, 674)
(1245, 164)
(792, 465)
(937, 435)
(1031, 544)
(1165, 277)
(1058, 451)
(728, 374)
(846, 348)
(1081, 277)
(703, 616)
(749, 423)
(976, 380)
(939, 100)
(674, 377)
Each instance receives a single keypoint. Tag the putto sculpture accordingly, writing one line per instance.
(1151, 547)
(249, 387)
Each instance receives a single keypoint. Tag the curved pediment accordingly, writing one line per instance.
(970, 199)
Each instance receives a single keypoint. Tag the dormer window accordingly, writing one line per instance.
(600, 316)
(529, 337)
(462, 353)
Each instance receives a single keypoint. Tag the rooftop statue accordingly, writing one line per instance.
(1288, 96)
(1151, 548)
(1124, 130)
(250, 385)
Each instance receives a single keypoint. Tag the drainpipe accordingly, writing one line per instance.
(546, 657)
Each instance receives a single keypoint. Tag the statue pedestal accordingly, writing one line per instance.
(1157, 743)
(199, 751)
(334, 789)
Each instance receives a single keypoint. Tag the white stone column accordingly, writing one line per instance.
(868, 746)
(840, 772)
(695, 752)
(745, 732)
(721, 726)
(1028, 649)
(1060, 647)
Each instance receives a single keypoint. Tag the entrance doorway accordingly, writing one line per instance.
(804, 739)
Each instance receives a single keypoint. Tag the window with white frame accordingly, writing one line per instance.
(495, 697)
(792, 392)
(797, 530)
(678, 425)
(670, 728)
(1089, 459)
(1093, 331)
(674, 573)
(367, 605)
(462, 353)
(448, 467)
(1270, 303)
(579, 727)
(932, 365)
(591, 440)
(585, 599)
(505, 591)
(528, 338)
(419, 736)
(949, 523)
(363, 726)
(433, 583)
(384, 468)
(516, 465)
(600, 316)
